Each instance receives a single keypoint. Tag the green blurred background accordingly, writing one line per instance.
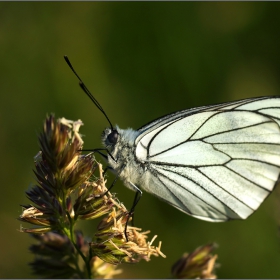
(141, 61)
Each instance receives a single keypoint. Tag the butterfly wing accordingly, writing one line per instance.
(215, 163)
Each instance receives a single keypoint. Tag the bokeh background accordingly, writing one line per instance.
(141, 61)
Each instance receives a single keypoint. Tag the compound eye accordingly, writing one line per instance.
(113, 137)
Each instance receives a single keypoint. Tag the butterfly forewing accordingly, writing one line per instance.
(215, 163)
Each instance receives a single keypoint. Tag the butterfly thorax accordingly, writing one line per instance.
(122, 155)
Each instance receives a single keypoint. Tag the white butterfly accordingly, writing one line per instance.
(214, 163)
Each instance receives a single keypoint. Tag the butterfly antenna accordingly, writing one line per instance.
(85, 89)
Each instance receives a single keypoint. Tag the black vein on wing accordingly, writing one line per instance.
(152, 139)
(191, 111)
(236, 129)
(252, 182)
(200, 139)
(222, 188)
(190, 179)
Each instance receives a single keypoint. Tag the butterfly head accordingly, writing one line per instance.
(110, 137)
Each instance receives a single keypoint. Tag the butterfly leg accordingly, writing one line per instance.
(100, 153)
(137, 197)
(114, 182)
(106, 168)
